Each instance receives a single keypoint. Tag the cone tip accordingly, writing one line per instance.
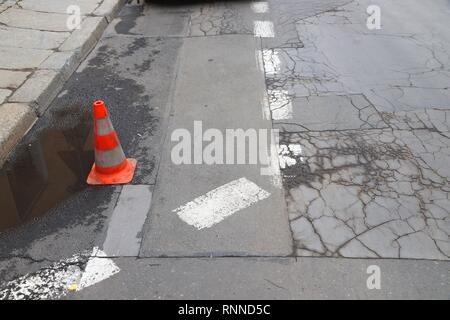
(100, 109)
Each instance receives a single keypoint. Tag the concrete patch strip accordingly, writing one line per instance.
(57, 280)
(211, 208)
(37, 93)
(123, 235)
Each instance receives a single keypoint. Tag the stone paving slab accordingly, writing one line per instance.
(12, 58)
(39, 52)
(33, 39)
(4, 93)
(60, 6)
(41, 87)
(12, 79)
(14, 123)
(36, 20)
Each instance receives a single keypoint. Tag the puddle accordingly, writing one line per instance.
(44, 172)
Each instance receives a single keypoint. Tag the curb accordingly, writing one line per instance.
(20, 111)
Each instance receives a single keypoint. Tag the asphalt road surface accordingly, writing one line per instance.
(348, 199)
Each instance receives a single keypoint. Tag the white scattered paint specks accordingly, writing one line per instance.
(211, 208)
(290, 154)
(280, 105)
(97, 269)
(263, 29)
(47, 283)
(271, 61)
(54, 281)
(260, 6)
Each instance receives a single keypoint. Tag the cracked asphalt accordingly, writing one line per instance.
(363, 155)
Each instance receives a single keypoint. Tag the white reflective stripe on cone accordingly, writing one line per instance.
(110, 158)
(104, 126)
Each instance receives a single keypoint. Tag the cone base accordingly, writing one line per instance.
(124, 176)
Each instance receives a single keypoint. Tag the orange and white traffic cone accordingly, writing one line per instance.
(111, 166)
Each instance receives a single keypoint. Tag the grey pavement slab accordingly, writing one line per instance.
(30, 19)
(39, 89)
(4, 93)
(11, 58)
(60, 6)
(29, 38)
(12, 79)
(270, 278)
(223, 97)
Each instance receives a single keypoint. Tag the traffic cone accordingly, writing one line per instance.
(111, 166)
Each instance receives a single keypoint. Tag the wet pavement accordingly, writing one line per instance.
(363, 155)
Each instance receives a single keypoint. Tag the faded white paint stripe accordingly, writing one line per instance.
(98, 268)
(263, 29)
(280, 105)
(53, 282)
(260, 6)
(211, 208)
(290, 154)
(47, 283)
(273, 168)
(271, 61)
(123, 235)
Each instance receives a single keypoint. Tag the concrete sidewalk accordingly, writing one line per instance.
(38, 52)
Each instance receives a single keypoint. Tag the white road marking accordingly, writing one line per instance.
(54, 282)
(289, 154)
(260, 6)
(263, 29)
(97, 269)
(211, 208)
(280, 105)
